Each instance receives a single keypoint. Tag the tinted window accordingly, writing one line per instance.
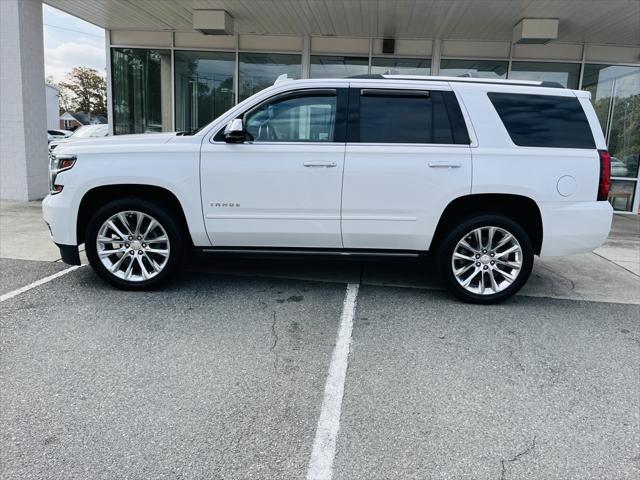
(324, 66)
(259, 70)
(543, 120)
(204, 87)
(410, 116)
(474, 68)
(309, 117)
(401, 66)
(566, 74)
(141, 90)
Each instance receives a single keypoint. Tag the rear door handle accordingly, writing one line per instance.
(320, 163)
(445, 164)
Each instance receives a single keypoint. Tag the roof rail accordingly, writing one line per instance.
(461, 79)
(373, 76)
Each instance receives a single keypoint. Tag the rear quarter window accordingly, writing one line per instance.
(543, 120)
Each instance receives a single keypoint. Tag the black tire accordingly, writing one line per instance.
(163, 215)
(462, 231)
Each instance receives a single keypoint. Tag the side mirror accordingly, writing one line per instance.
(234, 132)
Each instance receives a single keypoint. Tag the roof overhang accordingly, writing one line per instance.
(580, 21)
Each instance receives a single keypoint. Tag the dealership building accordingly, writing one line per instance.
(178, 64)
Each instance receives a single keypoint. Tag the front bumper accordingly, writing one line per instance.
(574, 227)
(57, 214)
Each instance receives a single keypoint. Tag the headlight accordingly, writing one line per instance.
(57, 164)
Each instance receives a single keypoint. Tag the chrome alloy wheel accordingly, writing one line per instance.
(487, 260)
(133, 246)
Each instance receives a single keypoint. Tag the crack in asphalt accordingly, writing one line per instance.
(518, 456)
(273, 332)
(512, 351)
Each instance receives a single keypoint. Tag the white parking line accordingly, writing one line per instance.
(37, 283)
(324, 444)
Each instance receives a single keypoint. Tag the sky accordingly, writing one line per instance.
(70, 42)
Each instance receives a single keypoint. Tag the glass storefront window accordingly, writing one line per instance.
(141, 90)
(615, 94)
(259, 70)
(566, 74)
(325, 66)
(474, 68)
(204, 87)
(401, 66)
(621, 195)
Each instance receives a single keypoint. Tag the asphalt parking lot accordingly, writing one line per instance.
(223, 376)
(242, 369)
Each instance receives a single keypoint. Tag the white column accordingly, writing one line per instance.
(306, 56)
(107, 47)
(23, 113)
(436, 50)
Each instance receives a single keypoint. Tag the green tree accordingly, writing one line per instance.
(88, 90)
(66, 102)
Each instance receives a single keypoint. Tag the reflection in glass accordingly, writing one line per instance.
(141, 90)
(308, 118)
(204, 87)
(324, 66)
(621, 194)
(401, 66)
(474, 68)
(566, 74)
(259, 70)
(615, 93)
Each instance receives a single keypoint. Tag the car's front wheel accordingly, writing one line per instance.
(486, 259)
(134, 244)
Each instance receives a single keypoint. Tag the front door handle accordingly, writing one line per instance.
(445, 164)
(320, 163)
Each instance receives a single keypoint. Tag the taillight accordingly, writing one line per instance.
(605, 175)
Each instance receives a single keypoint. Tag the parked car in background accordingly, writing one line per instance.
(82, 133)
(618, 168)
(55, 134)
(380, 165)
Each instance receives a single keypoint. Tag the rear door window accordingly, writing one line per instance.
(543, 120)
(406, 116)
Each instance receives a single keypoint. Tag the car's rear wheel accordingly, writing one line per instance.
(486, 259)
(134, 244)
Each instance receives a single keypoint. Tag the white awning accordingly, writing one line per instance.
(580, 21)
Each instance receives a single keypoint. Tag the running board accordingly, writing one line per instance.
(311, 252)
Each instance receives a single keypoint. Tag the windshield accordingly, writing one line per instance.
(87, 131)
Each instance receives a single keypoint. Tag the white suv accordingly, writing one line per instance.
(481, 174)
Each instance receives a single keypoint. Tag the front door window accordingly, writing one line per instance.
(301, 117)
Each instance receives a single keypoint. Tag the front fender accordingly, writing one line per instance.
(166, 167)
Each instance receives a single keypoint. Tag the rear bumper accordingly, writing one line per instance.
(574, 227)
